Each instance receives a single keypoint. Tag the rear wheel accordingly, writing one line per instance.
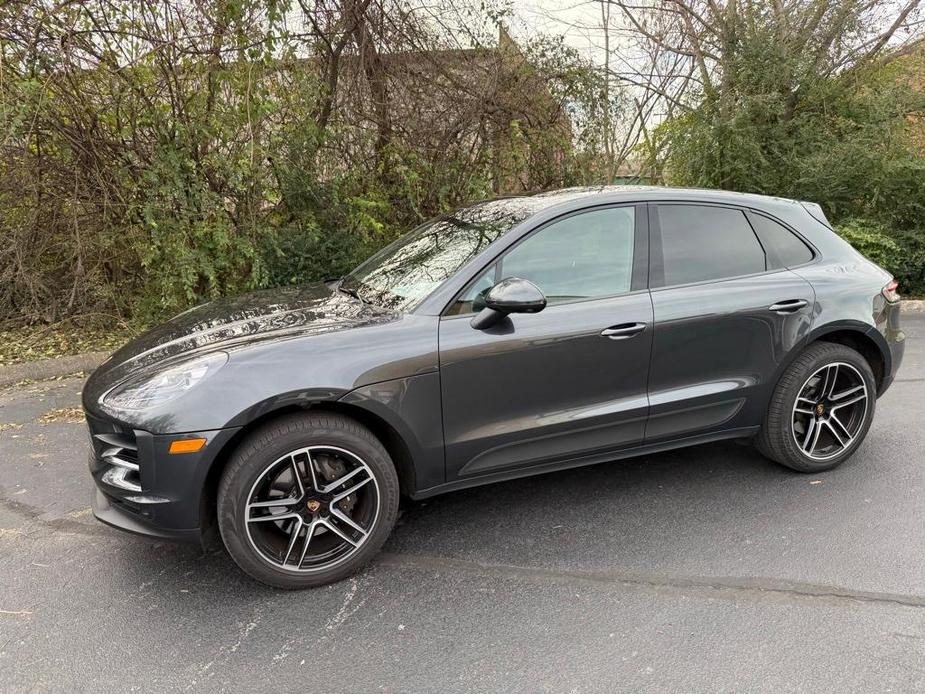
(821, 410)
(306, 500)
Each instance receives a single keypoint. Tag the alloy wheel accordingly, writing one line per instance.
(829, 411)
(312, 509)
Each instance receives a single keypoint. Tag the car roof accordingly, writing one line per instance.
(539, 207)
(590, 195)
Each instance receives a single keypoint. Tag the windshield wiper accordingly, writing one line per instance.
(352, 292)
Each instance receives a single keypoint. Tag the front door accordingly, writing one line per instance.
(565, 383)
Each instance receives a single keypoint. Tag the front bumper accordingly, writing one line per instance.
(108, 511)
(140, 488)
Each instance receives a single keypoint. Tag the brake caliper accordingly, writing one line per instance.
(332, 469)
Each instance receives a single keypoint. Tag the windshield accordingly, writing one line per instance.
(404, 273)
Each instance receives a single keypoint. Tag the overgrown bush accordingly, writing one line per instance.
(909, 266)
(794, 118)
(154, 156)
(872, 240)
(900, 252)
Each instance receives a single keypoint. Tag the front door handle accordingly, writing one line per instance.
(623, 331)
(788, 306)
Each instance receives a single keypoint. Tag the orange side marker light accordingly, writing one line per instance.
(186, 446)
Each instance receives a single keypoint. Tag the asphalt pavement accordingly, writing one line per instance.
(705, 569)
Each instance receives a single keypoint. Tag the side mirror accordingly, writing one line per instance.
(511, 295)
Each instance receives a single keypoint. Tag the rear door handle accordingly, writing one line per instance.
(623, 331)
(788, 306)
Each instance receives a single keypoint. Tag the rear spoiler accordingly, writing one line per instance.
(816, 213)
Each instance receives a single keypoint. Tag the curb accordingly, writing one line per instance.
(50, 368)
(913, 305)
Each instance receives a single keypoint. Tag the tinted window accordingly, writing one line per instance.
(583, 256)
(783, 248)
(702, 243)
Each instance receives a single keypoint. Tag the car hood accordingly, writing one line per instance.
(238, 322)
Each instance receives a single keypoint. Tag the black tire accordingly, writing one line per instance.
(777, 439)
(275, 440)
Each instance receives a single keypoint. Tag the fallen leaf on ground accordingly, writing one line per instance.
(75, 415)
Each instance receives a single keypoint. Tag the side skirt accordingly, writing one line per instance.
(595, 459)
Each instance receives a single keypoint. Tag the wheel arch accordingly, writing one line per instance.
(863, 339)
(387, 434)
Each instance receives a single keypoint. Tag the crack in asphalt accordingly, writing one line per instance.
(726, 587)
(33, 514)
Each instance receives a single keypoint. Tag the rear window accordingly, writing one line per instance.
(783, 247)
(701, 243)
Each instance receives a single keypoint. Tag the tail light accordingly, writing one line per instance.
(891, 291)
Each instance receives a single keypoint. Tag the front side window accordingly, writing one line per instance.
(583, 256)
(701, 243)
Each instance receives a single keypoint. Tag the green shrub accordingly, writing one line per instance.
(900, 252)
(848, 139)
(910, 263)
(304, 253)
(872, 240)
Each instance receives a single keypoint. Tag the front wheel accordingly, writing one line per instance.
(306, 500)
(821, 409)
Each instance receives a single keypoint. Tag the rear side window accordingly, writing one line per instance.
(784, 249)
(701, 243)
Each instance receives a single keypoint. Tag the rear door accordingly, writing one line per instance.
(569, 381)
(726, 314)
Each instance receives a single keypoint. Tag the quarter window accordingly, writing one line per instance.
(701, 243)
(583, 256)
(783, 248)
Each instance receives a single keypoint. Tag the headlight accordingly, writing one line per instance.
(149, 391)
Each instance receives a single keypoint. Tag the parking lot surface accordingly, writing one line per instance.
(708, 568)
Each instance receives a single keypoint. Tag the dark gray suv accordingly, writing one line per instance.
(508, 338)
